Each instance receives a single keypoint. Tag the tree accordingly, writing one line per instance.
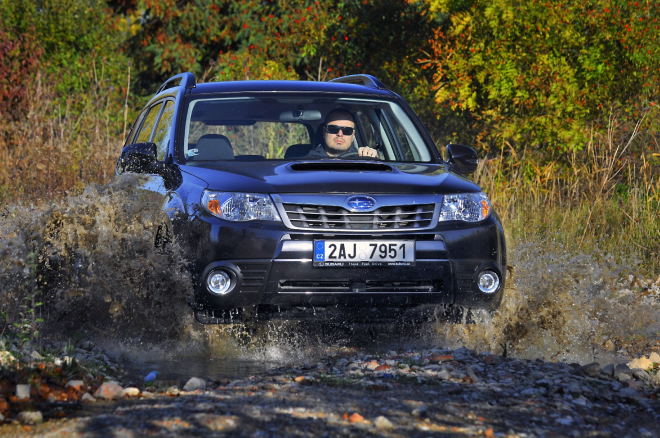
(543, 72)
(76, 36)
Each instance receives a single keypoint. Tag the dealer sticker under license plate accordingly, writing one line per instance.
(349, 253)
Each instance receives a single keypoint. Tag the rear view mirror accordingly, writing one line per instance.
(461, 159)
(138, 158)
(300, 116)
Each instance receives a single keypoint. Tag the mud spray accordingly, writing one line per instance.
(88, 266)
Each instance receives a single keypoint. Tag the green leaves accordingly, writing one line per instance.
(528, 70)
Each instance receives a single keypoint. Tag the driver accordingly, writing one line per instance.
(338, 135)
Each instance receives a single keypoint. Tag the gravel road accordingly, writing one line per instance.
(351, 393)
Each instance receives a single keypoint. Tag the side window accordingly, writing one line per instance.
(149, 121)
(134, 129)
(163, 130)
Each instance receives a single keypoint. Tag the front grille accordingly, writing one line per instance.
(369, 286)
(325, 217)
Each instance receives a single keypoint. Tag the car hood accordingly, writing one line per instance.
(329, 176)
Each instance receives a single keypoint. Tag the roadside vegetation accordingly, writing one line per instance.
(560, 100)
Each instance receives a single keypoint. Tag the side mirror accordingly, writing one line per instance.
(461, 159)
(138, 158)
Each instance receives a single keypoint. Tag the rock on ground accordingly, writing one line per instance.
(464, 394)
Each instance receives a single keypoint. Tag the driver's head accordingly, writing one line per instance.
(336, 138)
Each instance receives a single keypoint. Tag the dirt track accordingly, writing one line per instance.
(429, 393)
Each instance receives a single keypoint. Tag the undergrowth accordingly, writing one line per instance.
(602, 200)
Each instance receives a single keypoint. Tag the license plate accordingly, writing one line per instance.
(358, 253)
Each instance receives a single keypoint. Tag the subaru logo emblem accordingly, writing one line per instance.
(361, 203)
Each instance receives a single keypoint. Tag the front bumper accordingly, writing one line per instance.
(272, 268)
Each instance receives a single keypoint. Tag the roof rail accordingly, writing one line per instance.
(366, 80)
(186, 80)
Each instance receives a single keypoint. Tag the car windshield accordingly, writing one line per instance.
(290, 128)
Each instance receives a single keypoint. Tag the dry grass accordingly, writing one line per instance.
(60, 144)
(604, 199)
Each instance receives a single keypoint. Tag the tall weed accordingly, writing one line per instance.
(61, 143)
(603, 199)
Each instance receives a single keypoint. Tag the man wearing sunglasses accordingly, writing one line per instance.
(338, 136)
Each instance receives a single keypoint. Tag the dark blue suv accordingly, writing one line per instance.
(302, 199)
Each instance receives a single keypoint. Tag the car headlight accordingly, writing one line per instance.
(468, 207)
(240, 207)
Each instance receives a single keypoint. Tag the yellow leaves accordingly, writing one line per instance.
(436, 6)
(462, 25)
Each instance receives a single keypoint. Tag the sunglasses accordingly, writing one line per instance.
(334, 129)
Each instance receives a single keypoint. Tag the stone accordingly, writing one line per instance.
(575, 389)
(173, 390)
(629, 394)
(527, 392)
(419, 411)
(566, 421)
(608, 370)
(23, 392)
(87, 398)
(356, 418)
(109, 391)
(654, 357)
(591, 369)
(581, 401)
(195, 384)
(217, 423)
(372, 366)
(543, 383)
(78, 385)
(299, 379)
(30, 417)
(382, 368)
(622, 377)
(629, 383)
(382, 423)
(131, 391)
(622, 368)
(492, 359)
(472, 374)
(641, 363)
(444, 375)
(642, 375)
(440, 358)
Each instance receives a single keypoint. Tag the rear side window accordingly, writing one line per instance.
(148, 126)
(163, 130)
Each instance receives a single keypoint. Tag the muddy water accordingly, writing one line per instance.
(91, 262)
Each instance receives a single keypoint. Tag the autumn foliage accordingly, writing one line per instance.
(20, 57)
(542, 78)
(545, 73)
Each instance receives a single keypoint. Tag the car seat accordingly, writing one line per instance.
(211, 147)
(297, 150)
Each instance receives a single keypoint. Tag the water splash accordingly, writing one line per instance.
(92, 262)
(562, 306)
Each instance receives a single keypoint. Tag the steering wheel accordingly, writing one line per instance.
(356, 154)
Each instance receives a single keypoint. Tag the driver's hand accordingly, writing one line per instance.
(367, 152)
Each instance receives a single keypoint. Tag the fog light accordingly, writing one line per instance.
(218, 282)
(488, 282)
